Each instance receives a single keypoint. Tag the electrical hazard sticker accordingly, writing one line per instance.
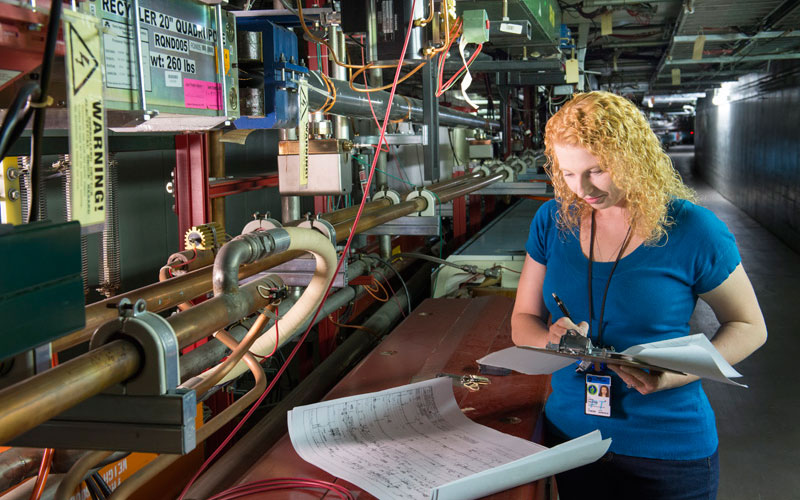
(87, 121)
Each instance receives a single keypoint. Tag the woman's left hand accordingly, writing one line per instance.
(642, 381)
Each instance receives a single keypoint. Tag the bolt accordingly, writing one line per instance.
(233, 99)
(13, 194)
(12, 173)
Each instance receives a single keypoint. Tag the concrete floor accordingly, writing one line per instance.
(758, 431)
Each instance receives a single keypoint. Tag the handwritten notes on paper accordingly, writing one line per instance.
(405, 442)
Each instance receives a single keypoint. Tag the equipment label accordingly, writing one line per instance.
(120, 56)
(173, 63)
(87, 122)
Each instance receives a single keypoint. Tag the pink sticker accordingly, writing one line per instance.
(199, 94)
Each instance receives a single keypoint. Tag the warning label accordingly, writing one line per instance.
(87, 123)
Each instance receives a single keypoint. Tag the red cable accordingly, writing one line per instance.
(44, 471)
(443, 89)
(345, 253)
(282, 483)
(366, 86)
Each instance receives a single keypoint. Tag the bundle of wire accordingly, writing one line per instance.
(345, 253)
(283, 483)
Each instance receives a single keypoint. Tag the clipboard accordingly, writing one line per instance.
(604, 357)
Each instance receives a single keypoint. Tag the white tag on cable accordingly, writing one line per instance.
(467, 81)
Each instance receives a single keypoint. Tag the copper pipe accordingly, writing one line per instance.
(475, 184)
(214, 314)
(40, 398)
(216, 169)
(170, 293)
(348, 213)
(160, 296)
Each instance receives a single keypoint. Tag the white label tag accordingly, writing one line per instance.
(598, 395)
(516, 29)
(173, 79)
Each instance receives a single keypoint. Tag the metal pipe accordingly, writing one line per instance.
(163, 295)
(198, 359)
(227, 469)
(43, 396)
(137, 38)
(170, 293)
(38, 399)
(216, 166)
(351, 103)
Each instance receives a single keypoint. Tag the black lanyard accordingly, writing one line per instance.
(599, 342)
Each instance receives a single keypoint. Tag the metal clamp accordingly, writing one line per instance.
(389, 194)
(482, 168)
(517, 163)
(261, 223)
(160, 373)
(430, 210)
(511, 174)
(321, 225)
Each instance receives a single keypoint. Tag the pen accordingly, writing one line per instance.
(562, 306)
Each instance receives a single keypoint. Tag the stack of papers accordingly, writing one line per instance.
(692, 354)
(413, 442)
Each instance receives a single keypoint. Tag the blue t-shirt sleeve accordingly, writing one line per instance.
(717, 254)
(541, 229)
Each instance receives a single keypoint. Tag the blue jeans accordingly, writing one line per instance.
(616, 476)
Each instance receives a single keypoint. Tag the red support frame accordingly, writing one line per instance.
(192, 200)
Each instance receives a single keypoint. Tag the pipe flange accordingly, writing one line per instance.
(321, 225)
(390, 194)
(430, 210)
(518, 164)
(483, 169)
(261, 223)
(511, 174)
(160, 373)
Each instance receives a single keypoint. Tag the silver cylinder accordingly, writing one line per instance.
(351, 103)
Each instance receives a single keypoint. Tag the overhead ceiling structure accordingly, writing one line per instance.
(680, 46)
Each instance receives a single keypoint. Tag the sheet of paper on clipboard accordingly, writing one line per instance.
(693, 354)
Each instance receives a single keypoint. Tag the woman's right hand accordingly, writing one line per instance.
(560, 327)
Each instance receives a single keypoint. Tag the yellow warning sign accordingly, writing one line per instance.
(87, 118)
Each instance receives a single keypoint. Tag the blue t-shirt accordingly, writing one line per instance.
(652, 295)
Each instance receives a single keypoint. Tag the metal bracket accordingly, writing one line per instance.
(261, 223)
(511, 174)
(430, 210)
(482, 168)
(321, 225)
(146, 413)
(160, 373)
(390, 194)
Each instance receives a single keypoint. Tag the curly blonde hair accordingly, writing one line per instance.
(613, 130)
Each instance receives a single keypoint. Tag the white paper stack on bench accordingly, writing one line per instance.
(414, 442)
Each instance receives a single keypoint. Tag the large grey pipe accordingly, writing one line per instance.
(351, 103)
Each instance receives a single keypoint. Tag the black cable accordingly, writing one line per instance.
(392, 268)
(101, 483)
(94, 490)
(19, 112)
(39, 114)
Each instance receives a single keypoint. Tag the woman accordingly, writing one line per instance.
(622, 216)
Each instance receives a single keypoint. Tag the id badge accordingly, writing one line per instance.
(598, 395)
